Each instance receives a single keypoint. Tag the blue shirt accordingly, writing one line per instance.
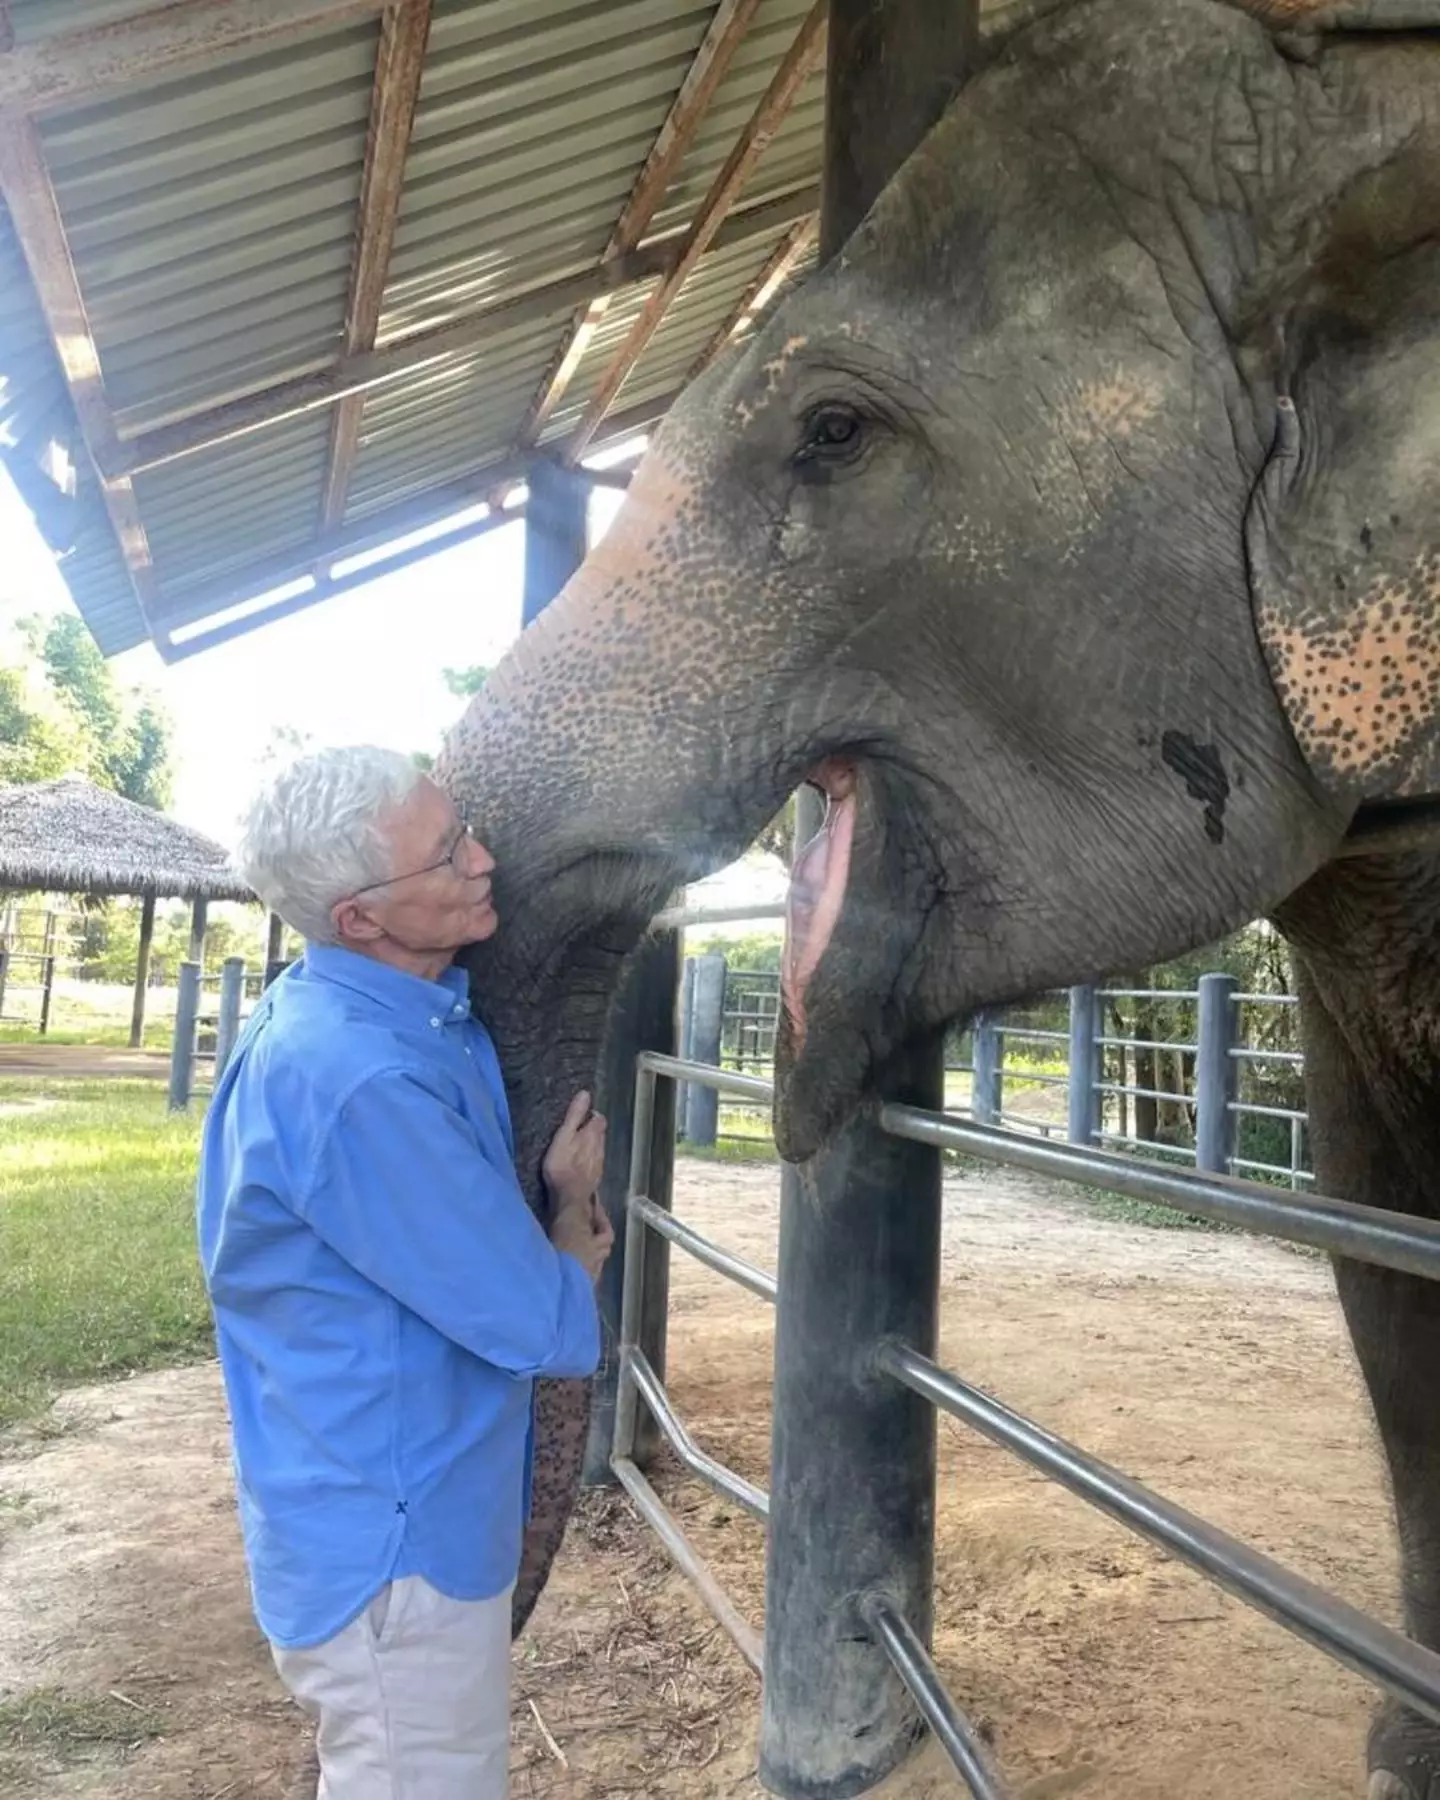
(384, 1297)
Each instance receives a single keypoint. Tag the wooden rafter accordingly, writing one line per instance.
(764, 122)
(404, 32)
(722, 39)
(418, 512)
(761, 291)
(75, 65)
(35, 215)
(207, 427)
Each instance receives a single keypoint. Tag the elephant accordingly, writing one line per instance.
(1073, 530)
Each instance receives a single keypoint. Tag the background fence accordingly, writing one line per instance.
(1209, 1077)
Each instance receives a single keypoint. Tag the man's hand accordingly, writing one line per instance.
(572, 1168)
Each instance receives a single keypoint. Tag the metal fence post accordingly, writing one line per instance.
(1084, 1097)
(985, 1079)
(227, 1029)
(182, 1053)
(707, 1014)
(1217, 1076)
(642, 1018)
(687, 1043)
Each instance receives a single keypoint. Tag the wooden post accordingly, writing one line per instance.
(197, 932)
(852, 1494)
(47, 972)
(142, 971)
(182, 1053)
(274, 945)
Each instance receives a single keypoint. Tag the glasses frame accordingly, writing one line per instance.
(448, 859)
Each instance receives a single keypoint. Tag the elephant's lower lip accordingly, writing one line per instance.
(817, 888)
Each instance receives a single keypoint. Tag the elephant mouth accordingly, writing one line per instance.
(816, 897)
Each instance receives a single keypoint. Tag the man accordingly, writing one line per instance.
(384, 1298)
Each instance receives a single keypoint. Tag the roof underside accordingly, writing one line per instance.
(201, 235)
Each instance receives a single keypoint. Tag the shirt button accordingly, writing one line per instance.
(459, 1012)
(435, 1023)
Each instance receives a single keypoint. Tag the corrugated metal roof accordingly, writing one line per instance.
(211, 213)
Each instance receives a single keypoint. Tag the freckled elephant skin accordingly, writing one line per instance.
(1084, 506)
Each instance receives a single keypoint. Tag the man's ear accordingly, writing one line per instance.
(1343, 534)
(353, 924)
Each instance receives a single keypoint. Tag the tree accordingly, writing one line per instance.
(464, 682)
(128, 734)
(41, 735)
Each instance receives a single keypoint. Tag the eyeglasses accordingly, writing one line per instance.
(463, 836)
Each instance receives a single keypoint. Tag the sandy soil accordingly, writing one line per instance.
(1213, 1367)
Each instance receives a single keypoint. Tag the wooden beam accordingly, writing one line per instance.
(761, 291)
(207, 427)
(399, 63)
(764, 122)
(142, 971)
(728, 26)
(97, 59)
(35, 213)
(489, 485)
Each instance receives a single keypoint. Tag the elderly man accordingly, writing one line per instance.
(384, 1298)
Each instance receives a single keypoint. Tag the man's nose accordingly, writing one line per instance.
(481, 861)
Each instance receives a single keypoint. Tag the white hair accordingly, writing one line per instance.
(313, 835)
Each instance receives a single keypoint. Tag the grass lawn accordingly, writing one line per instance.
(98, 1268)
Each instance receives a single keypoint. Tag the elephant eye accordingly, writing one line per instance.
(831, 434)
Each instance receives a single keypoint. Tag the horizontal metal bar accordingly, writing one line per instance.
(676, 1068)
(1185, 1151)
(1244, 1162)
(678, 918)
(1147, 993)
(1342, 1631)
(1267, 1112)
(734, 1268)
(689, 1561)
(1014, 1074)
(1120, 1087)
(957, 1736)
(1130, 1043)
(635, 1366)
(1265, 999)
(1039, 1037)
(1363, 1233)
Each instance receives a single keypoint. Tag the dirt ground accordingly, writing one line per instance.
(1211, 1366)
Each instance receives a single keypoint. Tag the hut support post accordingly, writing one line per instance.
(197, 932)
(274, 947)
(47, 972)
(142, 971)
(852, 1487)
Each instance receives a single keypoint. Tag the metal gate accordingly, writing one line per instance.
(1365, 1234)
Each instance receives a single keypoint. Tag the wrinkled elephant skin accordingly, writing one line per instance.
(1075, 530)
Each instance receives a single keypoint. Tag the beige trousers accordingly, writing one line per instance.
(412, 1699)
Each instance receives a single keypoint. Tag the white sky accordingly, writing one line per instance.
(364, 667)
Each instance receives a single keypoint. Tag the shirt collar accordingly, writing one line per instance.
(391, 987)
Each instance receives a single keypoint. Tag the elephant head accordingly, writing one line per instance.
(1074, 529)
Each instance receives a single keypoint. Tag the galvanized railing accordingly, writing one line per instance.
(1366, 1645)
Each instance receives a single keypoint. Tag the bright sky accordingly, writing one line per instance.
(364, 667)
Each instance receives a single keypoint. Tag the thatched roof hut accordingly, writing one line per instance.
(71, 837)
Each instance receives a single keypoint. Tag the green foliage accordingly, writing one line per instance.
(758, 950)
(61, 712)
(464, 682)
(40, 734)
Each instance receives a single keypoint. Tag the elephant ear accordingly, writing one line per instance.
(1343, 534)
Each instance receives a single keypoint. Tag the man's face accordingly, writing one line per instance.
(439, 896)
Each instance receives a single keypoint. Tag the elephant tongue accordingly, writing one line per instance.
(817, 890)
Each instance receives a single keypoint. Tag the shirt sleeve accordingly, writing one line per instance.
(403, 1191)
